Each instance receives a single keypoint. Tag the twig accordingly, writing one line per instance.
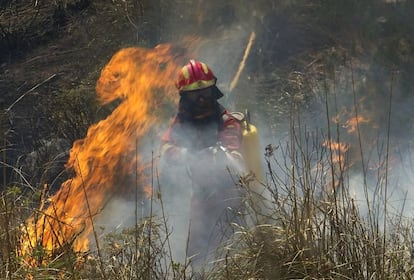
(92, 223)
(364, 170)
(164, 216)
(20, 173)
(29, 91)
(243, 61)
(386, 172)
(136, 205)
(150, 219)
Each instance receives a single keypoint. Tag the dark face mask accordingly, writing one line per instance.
(198, 105)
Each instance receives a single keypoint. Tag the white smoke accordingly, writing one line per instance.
(225, 39)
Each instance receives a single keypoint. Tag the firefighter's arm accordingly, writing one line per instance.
(171, 152)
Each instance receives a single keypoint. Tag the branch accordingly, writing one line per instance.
(30, 90)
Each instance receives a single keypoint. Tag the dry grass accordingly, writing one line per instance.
(308, 226)
(307, 231)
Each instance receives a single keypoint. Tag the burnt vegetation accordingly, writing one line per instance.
(307, 55)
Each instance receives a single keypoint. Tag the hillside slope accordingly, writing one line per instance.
(52, 53)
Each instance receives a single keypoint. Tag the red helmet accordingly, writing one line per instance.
(194, 76)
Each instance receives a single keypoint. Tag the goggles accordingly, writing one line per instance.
(200, 95)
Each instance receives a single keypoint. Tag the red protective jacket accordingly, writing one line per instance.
(224, 129)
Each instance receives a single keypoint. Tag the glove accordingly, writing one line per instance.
(216, 153)
(230, 154)
(221, 155)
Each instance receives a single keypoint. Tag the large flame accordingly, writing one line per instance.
(106, 161)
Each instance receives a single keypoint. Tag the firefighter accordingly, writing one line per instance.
(207, 138)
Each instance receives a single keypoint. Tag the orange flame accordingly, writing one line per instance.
(337, 149)
(105, 162)
(351, 119)
(352, 123)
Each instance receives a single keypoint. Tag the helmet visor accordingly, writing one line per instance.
(206, 92)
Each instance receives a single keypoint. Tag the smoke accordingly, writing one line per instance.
(222, 30)
(366, 108)
(380, 152)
